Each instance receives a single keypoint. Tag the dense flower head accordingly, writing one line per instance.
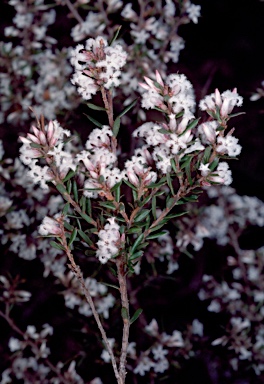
(176, 90)
(96, 65)
(109, 239)
(225, 102)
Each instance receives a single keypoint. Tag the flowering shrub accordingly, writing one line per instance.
(104, 228)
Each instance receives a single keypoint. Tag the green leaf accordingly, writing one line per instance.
(142, 215)
(136, 255)
(89, 206)
(35, 145)
(159, 226)
(159, 109)
(95, 107)
(160, 183)
(66, 209)
(180, 114)
(169, 181)
(170, 203)
(164, 131)
(206, 156)
(115, 35)
(116, 126)
(85, 237)
(155, 235)
(129, 184)
(82, 203)
(94, 121)
(214, 164)
(87, 218)
(73, 236)
(116, 186)
(124, 313)
(110, 285)
(70, 174)
(61, 189)
(143, 245)
(187, 253)
(187, 166)
(154, 207)
(131, 105)
(173, 215)
(191, 198)
(211, 113)
(107, 204)
(173, 165)
(68, 226)
(56, 245)
(236, 114)
(134, 230)
(137, 242)
(75, 191)
(69, 186)
(136, 315)
(144, 201)
(190, 126)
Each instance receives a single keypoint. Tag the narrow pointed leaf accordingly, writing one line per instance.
(129, 184)
(95, 107)
(85, 237)
(131, 105)
(94, 121)
(156, 235)
(56, 245)
(73, 236)
(66, 209)
(137, 242)
(124, 313)
(115, 35)
(87, 218)
(116, 126)
(61, 189)
(142, 215)
(70, 174)
(136, 315)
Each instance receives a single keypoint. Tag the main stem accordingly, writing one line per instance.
(77, 272)
(121, 273)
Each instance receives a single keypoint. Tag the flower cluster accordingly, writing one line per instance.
(97, 65)
(109, 240)
(46, 142)
(99, 160)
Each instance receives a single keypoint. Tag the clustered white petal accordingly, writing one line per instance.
(108, 242)
(96, 64)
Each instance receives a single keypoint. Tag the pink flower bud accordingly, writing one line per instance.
(42, 138)
(50, 131)
(33, 138)
(133, 178)
(218, 99)
(209, 132)
(159, 79)
(172, 122)
(225, 108)
(24, 140)
(183, 124)
(49, 226)
(35, 130)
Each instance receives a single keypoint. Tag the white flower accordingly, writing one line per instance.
(14, 344)
(49, 226)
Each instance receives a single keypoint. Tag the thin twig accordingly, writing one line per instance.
(78, 274)
(74, 11)
(121, 273)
